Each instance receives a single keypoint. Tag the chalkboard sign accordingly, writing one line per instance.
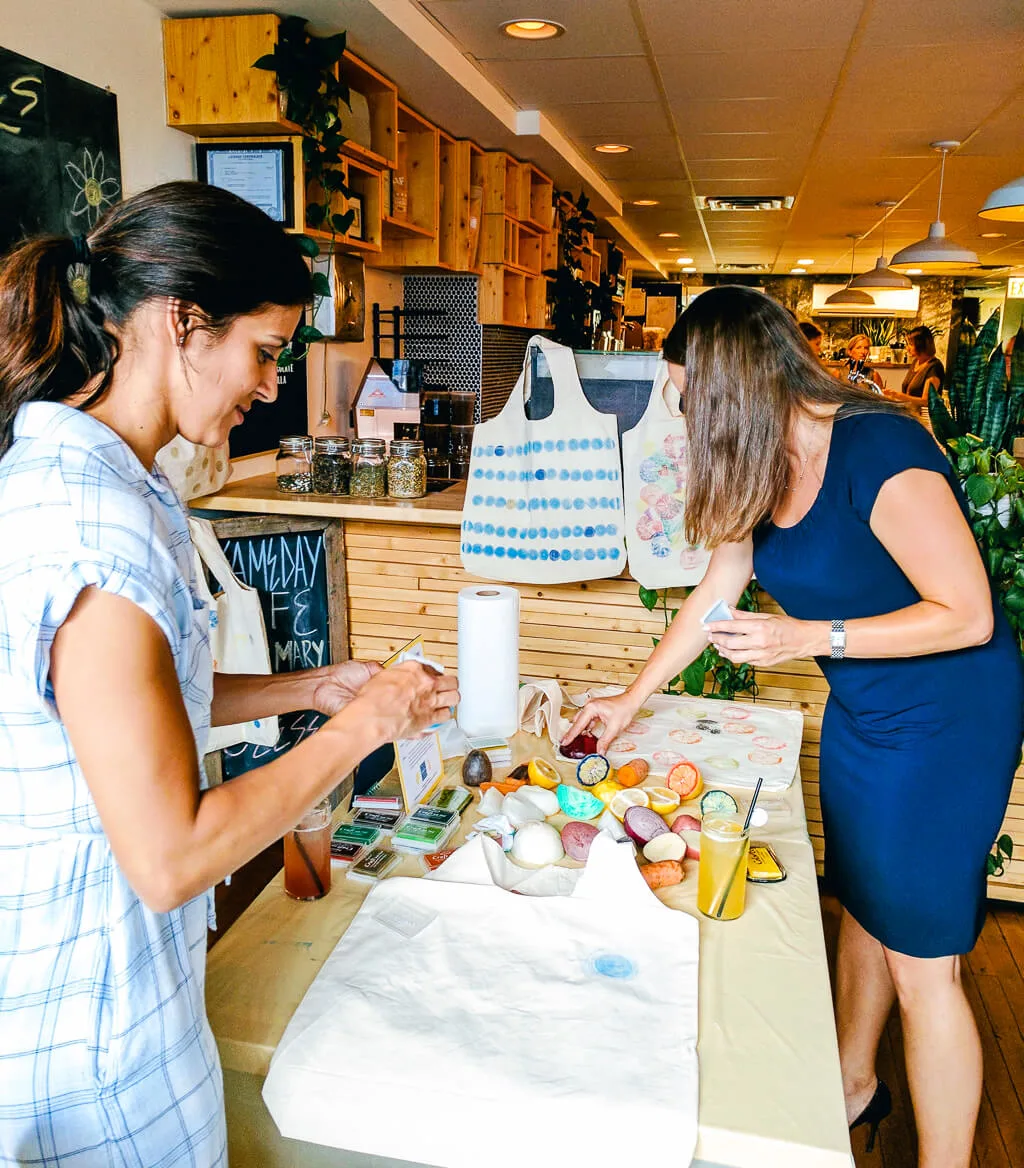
(60, 165)
(267, 421)
(297, 567)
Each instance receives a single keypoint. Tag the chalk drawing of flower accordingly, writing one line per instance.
(95, 192)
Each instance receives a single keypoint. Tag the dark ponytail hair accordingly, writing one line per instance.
(183, 240)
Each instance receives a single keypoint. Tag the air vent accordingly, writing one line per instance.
(744, 267)
(744, 202)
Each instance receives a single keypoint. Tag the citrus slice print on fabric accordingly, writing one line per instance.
(622, 746)
(736, 713)
(645, 713)
(687, 737)
(723, 762)
(692, 715)
(738, 727)
(667, 757)
(764, 758)
(637, 729)
(769, 743)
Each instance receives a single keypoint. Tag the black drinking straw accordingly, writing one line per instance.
(743, 857)
(309, 865)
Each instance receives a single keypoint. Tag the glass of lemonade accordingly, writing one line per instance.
(722, 876)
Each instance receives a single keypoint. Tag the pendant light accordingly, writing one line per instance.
(936, 253)
(1005, 202)
(849, 296)
(882, 278)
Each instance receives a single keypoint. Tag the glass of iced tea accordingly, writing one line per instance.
(722, 876)
(307, 855)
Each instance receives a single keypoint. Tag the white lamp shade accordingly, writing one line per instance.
(851, 296)
(1006, 203)
(881, 278)
(936, 253)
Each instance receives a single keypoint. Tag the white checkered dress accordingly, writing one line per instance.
(106, 1057)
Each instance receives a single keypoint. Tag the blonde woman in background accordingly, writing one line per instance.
(858, 371)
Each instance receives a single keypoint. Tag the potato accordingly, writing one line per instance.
(642, 824)
(665, 847)
(683, 823)
(577, 838)
(663, 874)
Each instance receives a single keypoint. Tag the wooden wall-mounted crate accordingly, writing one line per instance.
(418, 163)
(211, 86)
(364, 181)
(382, 99)
(508, 296)
(461, 204)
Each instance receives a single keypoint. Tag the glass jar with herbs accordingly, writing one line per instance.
(407, 470)
(332, 465)
(293, 466)
(369, 469)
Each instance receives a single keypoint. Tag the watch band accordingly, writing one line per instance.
(837, 640)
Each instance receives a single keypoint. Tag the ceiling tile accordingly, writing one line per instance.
(807, 74)
(539, 84)
(614, 121)
(679, 26)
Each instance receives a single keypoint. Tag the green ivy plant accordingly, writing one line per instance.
(571, 295)
(726, 679)
(306, 70)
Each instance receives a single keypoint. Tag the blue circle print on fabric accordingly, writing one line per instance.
(499, 451)
(549, 446)
(554, 553)
(613, 965)
(584, 444)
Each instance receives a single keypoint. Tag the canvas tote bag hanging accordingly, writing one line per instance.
(461, 1023)
(654, 481)
(238, 640)
(544, 498)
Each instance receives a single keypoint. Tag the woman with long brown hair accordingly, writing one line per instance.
(853, 521)
(167, 319)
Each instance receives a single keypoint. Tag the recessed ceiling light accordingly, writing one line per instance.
(798, 271)
(685, 260)
(532, 30)
(668, 235)
(804, 263)
(993, 235)
(612, 148)
(689, 269)
(913, 271)
(645, 202)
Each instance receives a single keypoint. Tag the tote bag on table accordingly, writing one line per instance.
(238, 639)
(459, 1024)
(544, 498)
(654, 483)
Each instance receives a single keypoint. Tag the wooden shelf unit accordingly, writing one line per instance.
(518, 241)
(364, 181)
(382, 99)
(510, 296)
(461, 173)
(411, 240)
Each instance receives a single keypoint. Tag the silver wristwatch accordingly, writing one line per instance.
(837, 640)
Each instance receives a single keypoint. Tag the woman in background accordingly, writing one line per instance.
(857, 370)
(820, 487)
(167, 319)
(814, 336)
(925, 370)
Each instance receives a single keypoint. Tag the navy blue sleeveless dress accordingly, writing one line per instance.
(917, 753)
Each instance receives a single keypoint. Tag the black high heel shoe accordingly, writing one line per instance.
(877, 1109)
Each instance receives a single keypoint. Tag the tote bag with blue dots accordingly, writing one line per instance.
(544, 497)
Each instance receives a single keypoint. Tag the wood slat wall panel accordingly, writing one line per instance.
(404, 580)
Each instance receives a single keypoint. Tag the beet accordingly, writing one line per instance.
(582, 745)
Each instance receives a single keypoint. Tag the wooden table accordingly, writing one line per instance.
(770, 1094)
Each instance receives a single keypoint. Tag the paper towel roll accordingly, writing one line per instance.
(489, 660)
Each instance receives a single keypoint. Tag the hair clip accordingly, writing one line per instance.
(78, 280)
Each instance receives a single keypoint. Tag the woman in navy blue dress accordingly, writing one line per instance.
(848, 513)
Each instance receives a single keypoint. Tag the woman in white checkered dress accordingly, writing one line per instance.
(166, 321)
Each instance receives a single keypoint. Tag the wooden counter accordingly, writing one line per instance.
(403, 573)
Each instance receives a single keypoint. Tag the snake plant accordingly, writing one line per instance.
(982, 399)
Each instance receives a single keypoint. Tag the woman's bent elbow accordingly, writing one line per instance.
(981, 628)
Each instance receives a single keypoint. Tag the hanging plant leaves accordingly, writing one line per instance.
(341, 223)
(308, 246)
(308, 334)
(321, 285)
